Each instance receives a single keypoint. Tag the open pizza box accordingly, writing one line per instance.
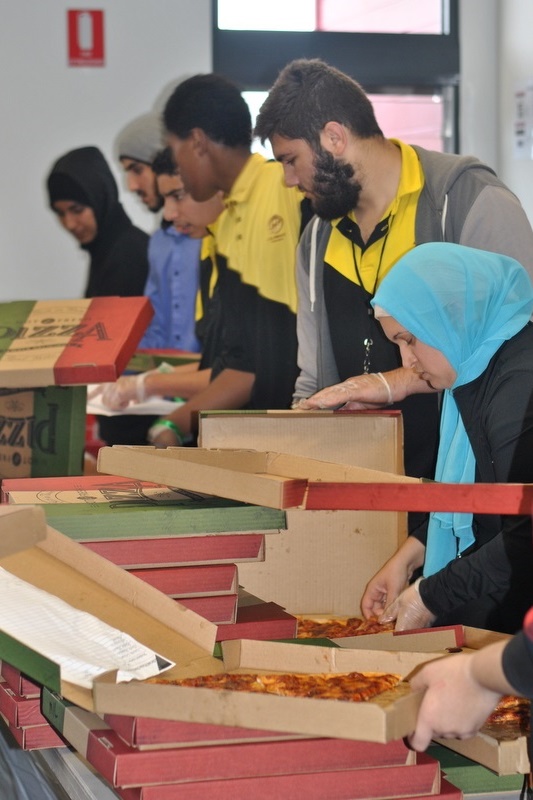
(273, 479)
(20, 527)
(371, 439)
(400, 653)
(323, 559)
(85, 581)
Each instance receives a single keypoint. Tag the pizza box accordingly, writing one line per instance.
(144, 359)
(372, 439)
(65, 342)
(394, 652)
(322, 562)
(20, 527)
(88, 582)
(43, 431)
(270, 479)
(505, 756)
(324, 559)
(84, 580)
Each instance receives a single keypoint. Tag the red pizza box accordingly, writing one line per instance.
(145, 733)
(66, 342)
(220, 609)
(260, 621)
(35, 737)
(188, 550)
(202, 580)
(125, 766)
(20, 711)
(420, 780)
(19, 683)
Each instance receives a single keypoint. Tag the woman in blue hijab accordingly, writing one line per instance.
(461, 319)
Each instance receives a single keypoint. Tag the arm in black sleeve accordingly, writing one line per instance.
(500, 567)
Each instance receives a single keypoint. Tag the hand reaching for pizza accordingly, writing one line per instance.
(382, 590)
(392, 578)
(408, 610)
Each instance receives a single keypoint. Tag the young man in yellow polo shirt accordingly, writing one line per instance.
(210, 133)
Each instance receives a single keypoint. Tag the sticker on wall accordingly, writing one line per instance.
(85, 38)
(523, 122)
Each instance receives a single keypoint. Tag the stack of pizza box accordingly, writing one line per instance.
(186, 544)
(148, 739)
(50, 350)
(260, 746)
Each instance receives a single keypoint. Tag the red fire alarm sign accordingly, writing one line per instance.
(85, 38)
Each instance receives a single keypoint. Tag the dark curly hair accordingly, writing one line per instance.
(164, 164)
(212, 103)
(307, 94)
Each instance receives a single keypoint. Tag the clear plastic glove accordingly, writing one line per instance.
(408, 610)
(389, 582)
(362, 391)
(382, 590)
(127, 389)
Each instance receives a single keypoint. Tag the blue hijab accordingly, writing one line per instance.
(465, 303)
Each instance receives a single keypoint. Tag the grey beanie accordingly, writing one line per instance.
(142, 138)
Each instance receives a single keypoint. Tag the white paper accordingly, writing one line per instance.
(157, 406)
(82, 645)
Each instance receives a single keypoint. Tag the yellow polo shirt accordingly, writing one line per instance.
(258, 231)
(374, 261)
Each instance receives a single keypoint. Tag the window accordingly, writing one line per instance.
(354, 16)
(405, 53)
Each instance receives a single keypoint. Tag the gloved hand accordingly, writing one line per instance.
(127, 389)
(408, 610)
(363, 391)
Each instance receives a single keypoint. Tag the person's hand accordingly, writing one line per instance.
(360, 392)
(164, 434)
(383, 589)
(455, 704)
(392, 578)
(125, 390)
(408, 610)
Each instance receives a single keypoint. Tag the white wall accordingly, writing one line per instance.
(516, 56)
(48, 108)
(478, 113)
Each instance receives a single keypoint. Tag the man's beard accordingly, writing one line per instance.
(335, 192)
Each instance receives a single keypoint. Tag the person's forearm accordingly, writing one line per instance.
(370, 390)
(487, 669)
(178, 383)
(404, 382)
(231, 389)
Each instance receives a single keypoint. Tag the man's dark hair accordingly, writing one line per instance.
(213, 104)
(307, 94)
(164, 164)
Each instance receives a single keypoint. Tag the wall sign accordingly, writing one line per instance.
(523, 122)
(85, 38)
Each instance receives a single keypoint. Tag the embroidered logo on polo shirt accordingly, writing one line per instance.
(276, 225)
